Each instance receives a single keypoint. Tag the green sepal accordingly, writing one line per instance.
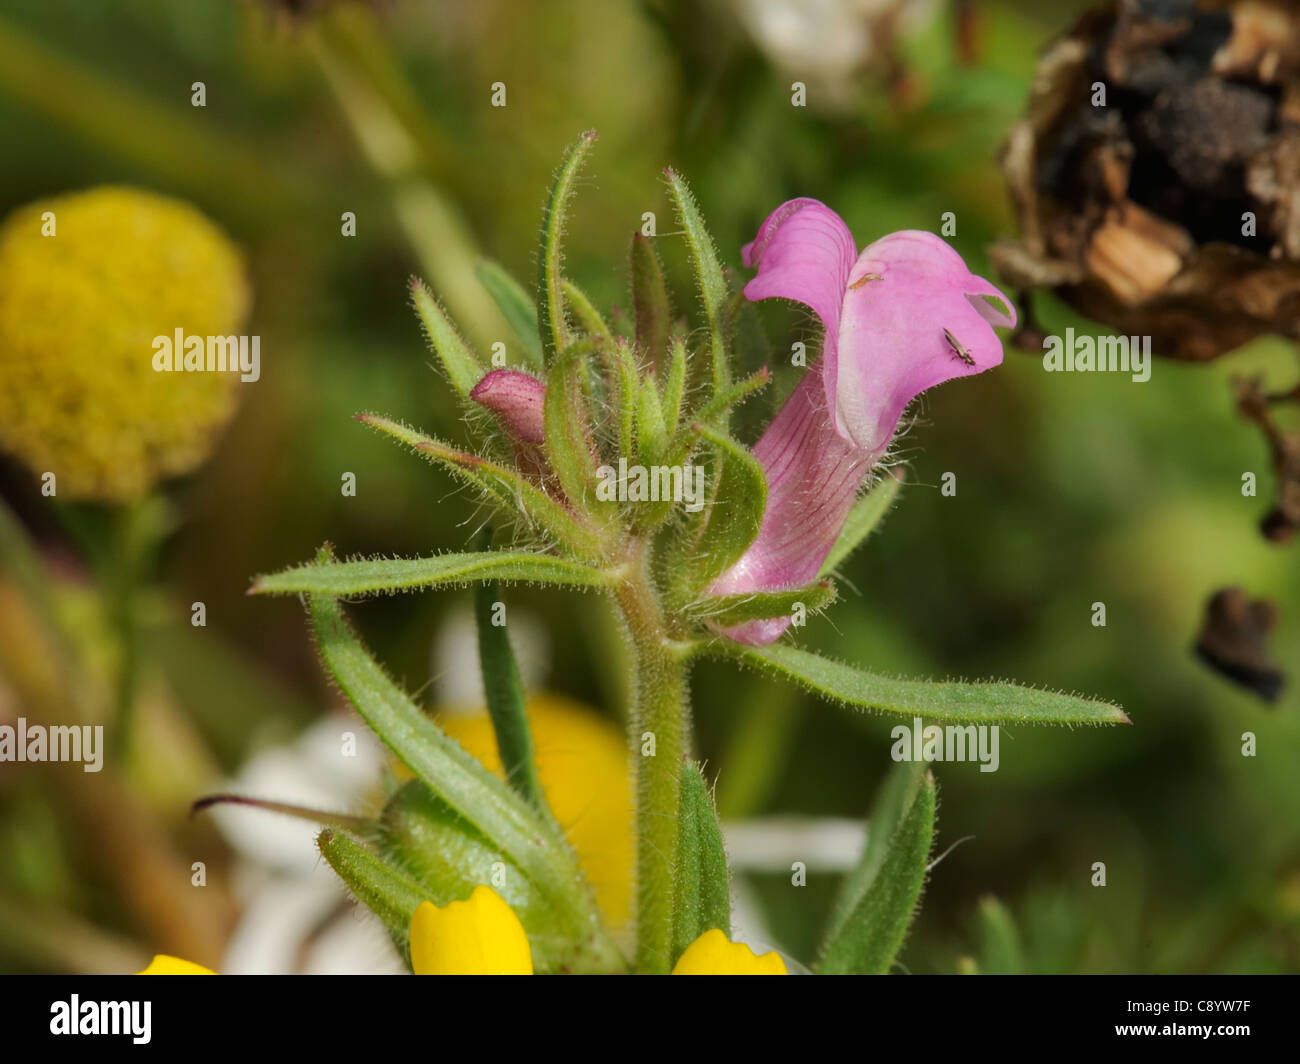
(459, 363)
(513, 494)
(716, 410)
(552, 324)
(570, 449)
(377, 884)
(884, 895)
(650, 304)
(674, 384)
(622, 386)
(446, 858)
(516, 307)
(710, 280)
(589, 319)
(714, 413)
(651, 430)
(701, 895)
(727, 610)
(716, 538)
(866, 514)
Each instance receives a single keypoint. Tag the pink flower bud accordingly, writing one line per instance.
(517, 399)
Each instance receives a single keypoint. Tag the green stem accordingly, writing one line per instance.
(136, 532)
(398, 145)
(659, 723)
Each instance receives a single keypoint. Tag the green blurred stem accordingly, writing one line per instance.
(166, 141)
(661, 710)
(21, 562)
(504, 692)
(123, 557)
(123, 606)
(399, 146)
(756, 751)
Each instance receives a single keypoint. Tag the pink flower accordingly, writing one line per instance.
(517, 399)
(901, 317)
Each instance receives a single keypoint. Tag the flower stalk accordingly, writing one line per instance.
(660, 727)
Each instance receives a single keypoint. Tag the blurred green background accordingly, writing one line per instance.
(1070, 489)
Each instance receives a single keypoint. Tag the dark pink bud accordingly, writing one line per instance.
(517, 399)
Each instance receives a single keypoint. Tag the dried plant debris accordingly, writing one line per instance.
(1156, 176)
(1234, 641)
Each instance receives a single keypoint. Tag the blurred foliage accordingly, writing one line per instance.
(1070, 489)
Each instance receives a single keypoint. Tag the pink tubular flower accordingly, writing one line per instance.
(901, 317)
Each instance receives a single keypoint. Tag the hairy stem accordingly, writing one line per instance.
(659, 739)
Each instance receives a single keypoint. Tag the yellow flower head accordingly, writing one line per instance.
(582, 761)
(480, 936)
(713, 954)
(87, 280)
(165, 965)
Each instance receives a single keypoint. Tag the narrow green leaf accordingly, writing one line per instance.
(674, 384)
(727, 610)
(387, 893)
(504, 692)
(1001, 952)
(553, 327)
(892, 802)
(440, 762)
(649, 299)
(584, 310)
(863, 519)
(708, 274)
(368, 576)
(513, 494)
(513, 827)
(992, 702)
(515, 306)
(872, 935)
(701, 897)
(463, 369)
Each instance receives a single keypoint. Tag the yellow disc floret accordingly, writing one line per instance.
(88, 280)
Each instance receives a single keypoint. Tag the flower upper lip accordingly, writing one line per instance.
(888, 312)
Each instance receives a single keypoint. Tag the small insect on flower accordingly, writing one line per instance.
(865, 278)
(958, 350)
